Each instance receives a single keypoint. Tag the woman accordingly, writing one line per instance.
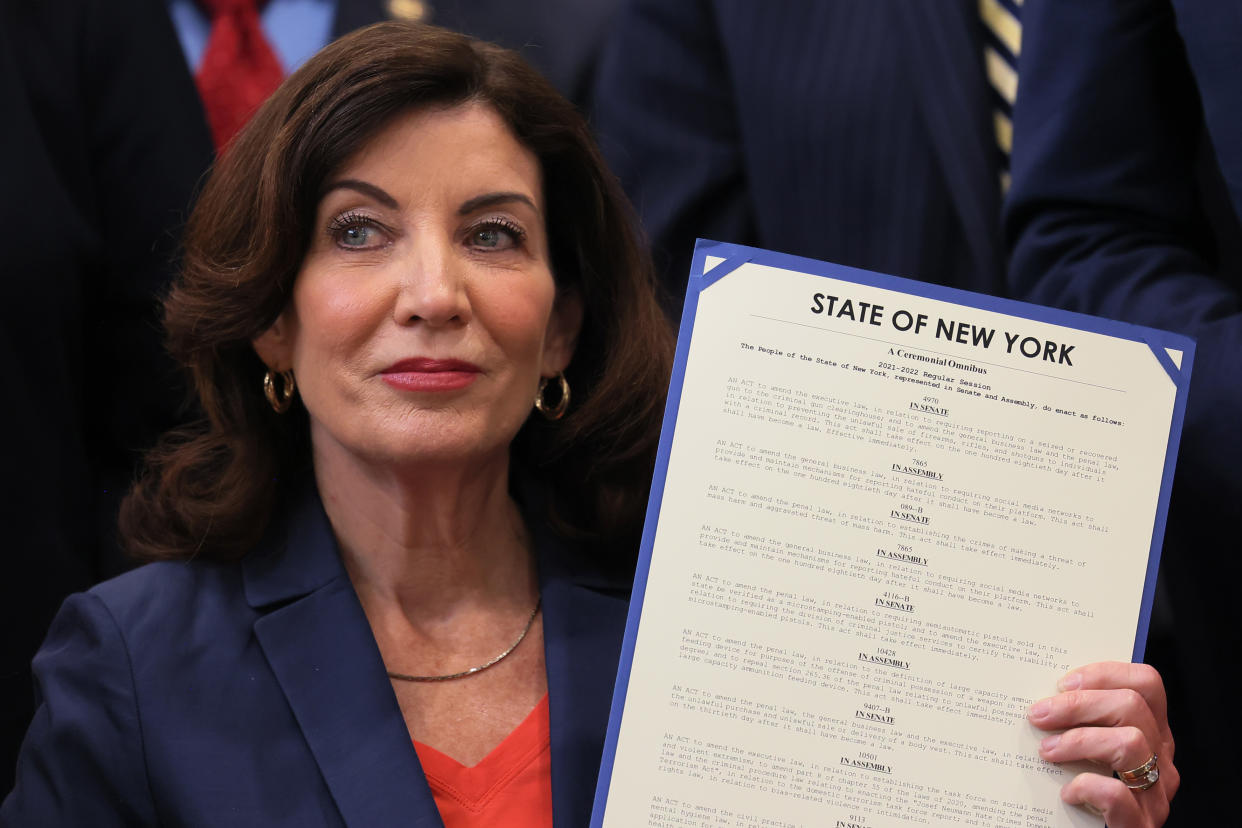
(370, 539)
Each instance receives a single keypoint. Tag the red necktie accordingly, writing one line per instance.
(239, 68)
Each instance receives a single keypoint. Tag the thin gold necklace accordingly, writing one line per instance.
(529, 622)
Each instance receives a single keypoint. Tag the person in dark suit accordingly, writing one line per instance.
(1127, 189)
(98, 178)
(376, 566)
(858, 133)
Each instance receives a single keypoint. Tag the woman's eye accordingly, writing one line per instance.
(357, 236)
(496, 235)
(356, 232)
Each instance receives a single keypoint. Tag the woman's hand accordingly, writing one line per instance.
(1115, 715)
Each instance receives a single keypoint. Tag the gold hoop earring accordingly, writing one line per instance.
(557, 410)
(280, 401)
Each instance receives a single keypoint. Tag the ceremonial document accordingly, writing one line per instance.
(887, 517)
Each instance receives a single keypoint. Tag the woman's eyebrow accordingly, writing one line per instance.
(492, 199)
(364, 188)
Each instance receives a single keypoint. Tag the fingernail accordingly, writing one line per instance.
(1050, 742)
(1070, 681)
(1040, 709)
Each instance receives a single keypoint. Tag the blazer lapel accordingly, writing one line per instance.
(945, 55)
(583, 623)
(321, 649)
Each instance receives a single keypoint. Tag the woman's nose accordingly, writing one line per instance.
(433, 287)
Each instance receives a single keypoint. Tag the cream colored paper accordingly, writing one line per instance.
(875, 549)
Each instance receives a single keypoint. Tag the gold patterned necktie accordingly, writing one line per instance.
(1002, 23)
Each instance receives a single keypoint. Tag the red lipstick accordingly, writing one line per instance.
(422, 374)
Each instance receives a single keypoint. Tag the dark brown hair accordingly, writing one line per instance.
(210, 489)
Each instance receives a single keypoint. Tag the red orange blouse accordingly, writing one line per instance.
(511, 786)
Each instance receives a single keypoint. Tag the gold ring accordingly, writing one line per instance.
(1142, 777)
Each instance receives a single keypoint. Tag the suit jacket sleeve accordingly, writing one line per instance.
(665, 114)
(1105, 215)
(82, 762)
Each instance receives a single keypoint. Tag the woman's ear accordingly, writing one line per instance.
(562, 335)
(275, 345)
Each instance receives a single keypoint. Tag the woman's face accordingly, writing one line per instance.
(425, 312)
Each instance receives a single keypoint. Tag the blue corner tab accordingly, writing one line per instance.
(702, 276)
(1162, 356)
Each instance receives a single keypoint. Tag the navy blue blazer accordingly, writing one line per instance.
(253, 694)
(1126, 196)
(854, 132)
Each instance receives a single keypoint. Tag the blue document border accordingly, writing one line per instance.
(736, 255)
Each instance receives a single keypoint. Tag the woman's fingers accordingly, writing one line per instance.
(1101, 708)
(1118, 675)
(1116, 748)
(1113, 714)
(1120, 806)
